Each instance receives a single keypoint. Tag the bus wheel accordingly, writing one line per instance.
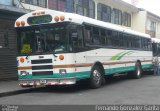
(96, 78)
(138, 71)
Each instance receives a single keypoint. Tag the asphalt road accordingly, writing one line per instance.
(119, 90)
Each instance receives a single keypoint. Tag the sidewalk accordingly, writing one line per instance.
(8, 88)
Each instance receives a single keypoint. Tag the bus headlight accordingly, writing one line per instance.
(23, 73)
(62, 71)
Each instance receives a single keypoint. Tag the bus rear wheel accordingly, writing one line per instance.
(138, 71)
(96, 78)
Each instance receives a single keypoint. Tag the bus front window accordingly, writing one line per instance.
(55, 39)
(43, 40)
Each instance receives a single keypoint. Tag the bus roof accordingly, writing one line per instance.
(77, 19)
(155, 40)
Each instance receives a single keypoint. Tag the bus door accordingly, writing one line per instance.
(77, 43)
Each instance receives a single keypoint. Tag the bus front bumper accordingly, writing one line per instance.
(46, 82)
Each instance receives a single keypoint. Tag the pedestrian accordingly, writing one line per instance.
(156, 66)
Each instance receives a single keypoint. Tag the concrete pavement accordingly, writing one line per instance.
(116, 91)
(8, 88)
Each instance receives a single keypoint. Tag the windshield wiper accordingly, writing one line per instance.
(28, 55)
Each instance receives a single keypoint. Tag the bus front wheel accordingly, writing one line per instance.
(96, 78)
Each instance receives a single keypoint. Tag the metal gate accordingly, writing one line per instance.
(8, 53)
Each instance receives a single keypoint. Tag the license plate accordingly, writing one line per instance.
(30, 82)
(42, 81)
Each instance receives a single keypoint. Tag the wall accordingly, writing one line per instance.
(6, 2)
(156, 19)
(31, 7)
(158, 30)
(139, 21)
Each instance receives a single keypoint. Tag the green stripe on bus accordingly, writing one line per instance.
(121, 56)
(78, 75)
(86, 74)
(117, 55)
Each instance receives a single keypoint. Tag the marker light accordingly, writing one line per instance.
(62, 18)
(23, 23)
(18, 23)
(61, 57)
(56, 18)
(21, 59)
(38, 13)
(34, 13)
(42, 12)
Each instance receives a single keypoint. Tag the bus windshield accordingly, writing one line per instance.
(43, 39)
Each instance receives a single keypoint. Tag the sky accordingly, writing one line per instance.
(150, 5)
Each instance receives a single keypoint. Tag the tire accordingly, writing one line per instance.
(138, 71)
(96, 79)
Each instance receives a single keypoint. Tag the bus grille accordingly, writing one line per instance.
(42, 73)
(43, 61)
(42, 67)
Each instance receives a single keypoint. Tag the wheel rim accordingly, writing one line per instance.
(96, 76)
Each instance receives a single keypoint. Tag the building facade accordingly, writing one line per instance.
(113, 11)
(147, 22)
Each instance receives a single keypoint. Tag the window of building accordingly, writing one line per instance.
(57, 5)
(153, 26)
(103, 12)
(41, 3)
(127, 19)
(85, 7)
(70, 6)
(91, 9)
(81, 7)
(117, 16)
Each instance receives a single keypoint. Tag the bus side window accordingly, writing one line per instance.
(77, 38)
(103, 37)
(87, 35)
(121, 40)
(109, 37)
(125, 40)
(158, 52)
(96, 36)
(115, 39)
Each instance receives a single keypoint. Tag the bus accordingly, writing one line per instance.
(59, 48)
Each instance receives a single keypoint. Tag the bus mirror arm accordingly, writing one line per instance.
(55, 55)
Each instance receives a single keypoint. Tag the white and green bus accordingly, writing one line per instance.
(58, 48)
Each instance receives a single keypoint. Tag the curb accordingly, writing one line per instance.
(15, 92)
